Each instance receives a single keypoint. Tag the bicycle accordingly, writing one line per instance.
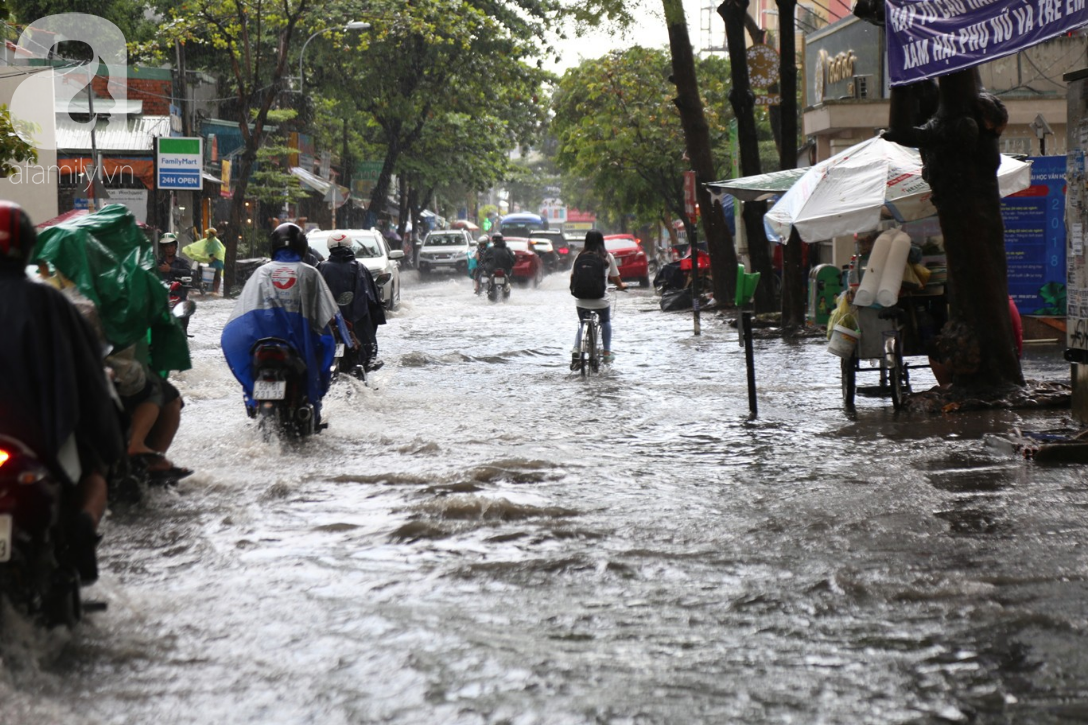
(591, 348)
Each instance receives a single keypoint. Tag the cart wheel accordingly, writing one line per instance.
(849, 381)
(900, 377)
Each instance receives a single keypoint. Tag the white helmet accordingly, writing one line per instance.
(339, 239)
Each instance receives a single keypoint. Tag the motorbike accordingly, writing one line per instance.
(38, 571)
(279, 390)
(348, 361)
(498, 285)
(180, 305)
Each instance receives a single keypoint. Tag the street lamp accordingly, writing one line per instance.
(353, 25)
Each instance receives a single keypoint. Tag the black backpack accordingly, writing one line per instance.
(587, 278)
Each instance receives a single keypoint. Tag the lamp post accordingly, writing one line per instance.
(353, 25)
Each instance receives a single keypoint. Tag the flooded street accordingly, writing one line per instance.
(481, 537)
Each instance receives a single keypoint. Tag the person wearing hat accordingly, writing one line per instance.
(209, 251)
(170, 264)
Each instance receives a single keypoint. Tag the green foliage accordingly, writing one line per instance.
(444, 87)
(618, 129)
(128, 15)
(270, 181)
(1054, 295)
(14, 148)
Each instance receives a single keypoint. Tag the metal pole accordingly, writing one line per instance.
(96, 170)
(695, 288)
(749, 361)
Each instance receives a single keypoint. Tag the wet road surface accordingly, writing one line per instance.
(481, 537)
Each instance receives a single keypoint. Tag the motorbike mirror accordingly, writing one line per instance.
(184, 309)
(185, 280)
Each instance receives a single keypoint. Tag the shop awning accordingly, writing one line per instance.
(760, 187)
(113, 168)
(321, 186)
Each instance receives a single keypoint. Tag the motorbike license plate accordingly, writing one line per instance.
(339, 349)
(5, 538)
(269, 389)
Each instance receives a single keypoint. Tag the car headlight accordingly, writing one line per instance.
(383, 278)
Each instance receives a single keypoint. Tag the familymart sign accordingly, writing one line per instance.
(178, 163)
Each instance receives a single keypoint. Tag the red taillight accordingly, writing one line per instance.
(564, 250)
(4, 456)
(500, 273)
(272, 353)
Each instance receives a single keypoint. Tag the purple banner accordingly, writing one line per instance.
(929, 38)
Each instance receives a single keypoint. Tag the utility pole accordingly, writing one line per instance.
(93, 191)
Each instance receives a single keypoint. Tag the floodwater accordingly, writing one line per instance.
(481, 537)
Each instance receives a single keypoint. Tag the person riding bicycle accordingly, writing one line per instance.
(593, 269)
(499, 256)
(287, 299)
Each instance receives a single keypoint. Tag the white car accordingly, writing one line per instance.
(446, 250)
(373, 251)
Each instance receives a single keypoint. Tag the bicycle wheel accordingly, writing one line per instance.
(900, 377)
(594, 348)
(584, 349)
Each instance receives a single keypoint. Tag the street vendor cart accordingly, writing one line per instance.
(898, 308)
(890, 337)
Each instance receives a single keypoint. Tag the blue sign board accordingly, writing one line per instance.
(1035, 238)
(929, 38)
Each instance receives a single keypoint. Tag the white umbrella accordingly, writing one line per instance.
(848, 192)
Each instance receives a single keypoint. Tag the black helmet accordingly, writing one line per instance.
(497, 240)
(17, 235)
(289, 236)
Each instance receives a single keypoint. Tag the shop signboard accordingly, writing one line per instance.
(938, 37)
(846, 59)
(365, 178)
(135, 200)
(179, 163)
(1035, 239)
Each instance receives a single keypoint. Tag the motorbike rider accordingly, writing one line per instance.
(54, 395)
(499, 256)
(170, 264)
(288, 299)
(481, 249)
(356, 293)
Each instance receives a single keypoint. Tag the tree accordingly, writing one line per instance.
(735, 13)
(15, 146)
(793, 277)
(271, 183)
(431, 57)
(254, 38)
(958, 138)
(723, 255)
(616, 127)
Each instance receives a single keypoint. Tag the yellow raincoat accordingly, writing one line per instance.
(203, 250)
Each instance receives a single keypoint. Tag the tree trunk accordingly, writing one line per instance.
(723, 255)
(381, 189)
(741, 98)
(793, 271)
(238, 213)
(960, 150)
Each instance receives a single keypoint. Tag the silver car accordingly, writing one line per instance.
(445, 250)
(370, 248)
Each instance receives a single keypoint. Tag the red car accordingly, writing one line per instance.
(630, 258)
(528, 267)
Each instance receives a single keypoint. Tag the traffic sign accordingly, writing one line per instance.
(179, 163)
(689, 196)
